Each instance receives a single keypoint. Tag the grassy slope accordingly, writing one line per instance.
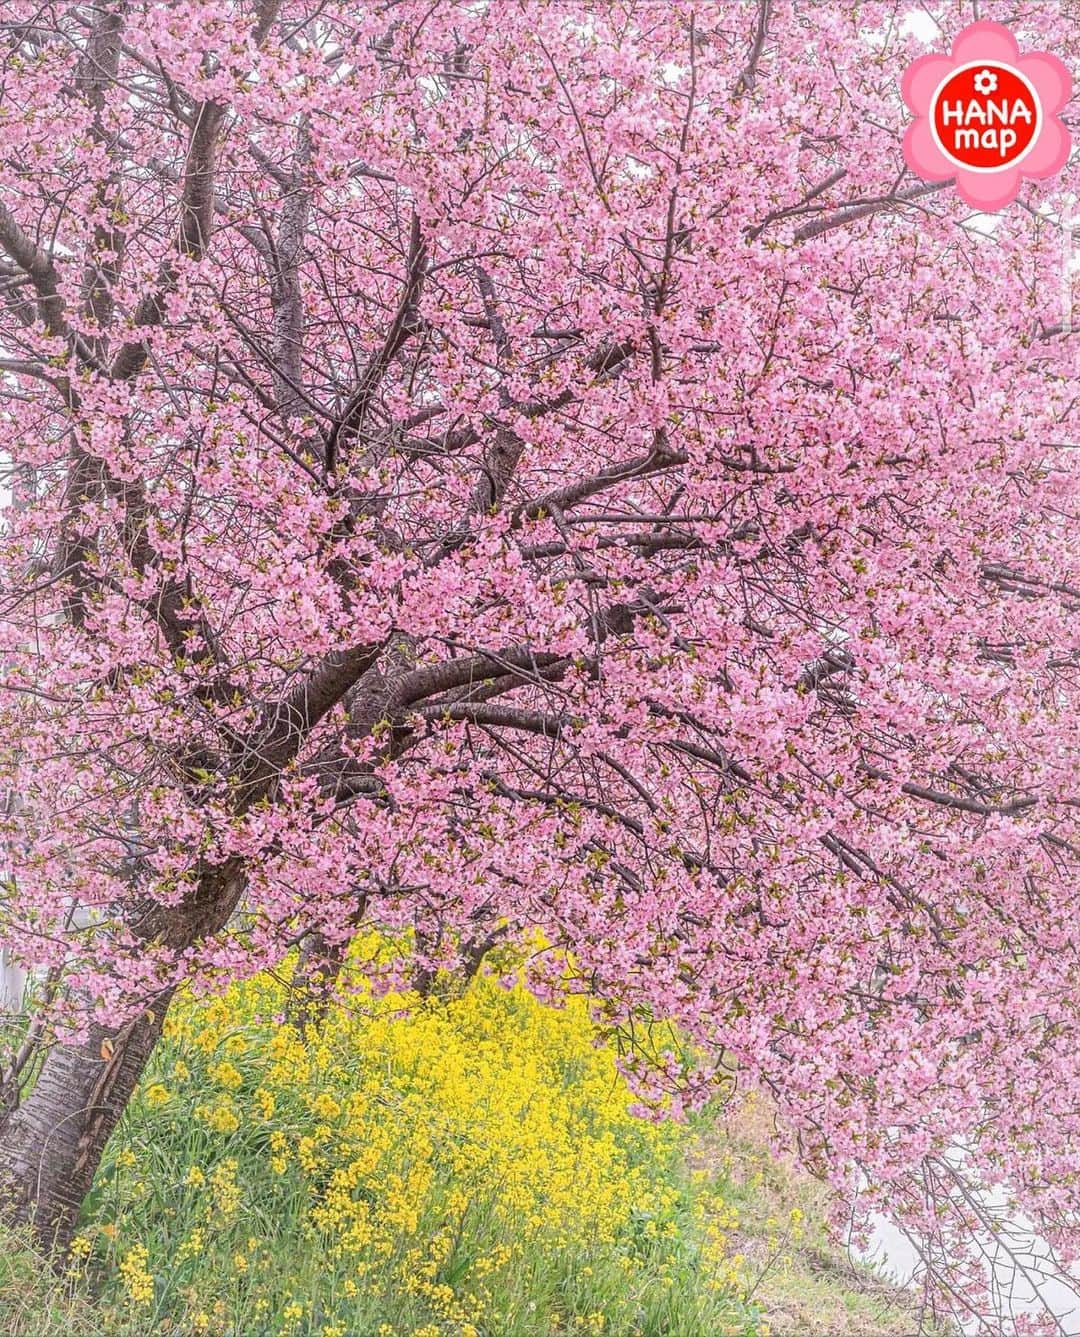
(34, 1302)
(766, 1212)
(804, 1286)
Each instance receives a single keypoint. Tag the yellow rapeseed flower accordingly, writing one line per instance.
(137, 1281)
(222, 1118)
(426, 1152)
(225, 1190)
(227, 1075)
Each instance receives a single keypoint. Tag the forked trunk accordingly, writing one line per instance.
(52, 1143)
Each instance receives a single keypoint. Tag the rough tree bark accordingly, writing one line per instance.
(52, 1143)
(52, 1140)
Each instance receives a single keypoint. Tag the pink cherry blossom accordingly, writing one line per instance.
(549, 473)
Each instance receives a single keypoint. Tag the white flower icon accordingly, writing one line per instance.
(986, 82)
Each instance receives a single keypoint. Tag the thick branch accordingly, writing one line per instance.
(406, 323)
(866, 208)
(196, 218)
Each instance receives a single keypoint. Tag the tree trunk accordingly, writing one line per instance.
(315, 980)
(52, 1143)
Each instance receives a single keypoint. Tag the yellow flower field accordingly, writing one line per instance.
(442, 1167)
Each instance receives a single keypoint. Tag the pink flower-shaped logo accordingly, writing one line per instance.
(986, 115)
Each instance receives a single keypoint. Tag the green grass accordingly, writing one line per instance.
(803, 1285)
(509, 1193)
(36, 1302)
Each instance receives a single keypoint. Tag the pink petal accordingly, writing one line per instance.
(923, 156)
(985, 41)
(988, 191)
(1051, 150)
(1051, 78)
(921, 79)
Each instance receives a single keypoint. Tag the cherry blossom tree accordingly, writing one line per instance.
(545, 471)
